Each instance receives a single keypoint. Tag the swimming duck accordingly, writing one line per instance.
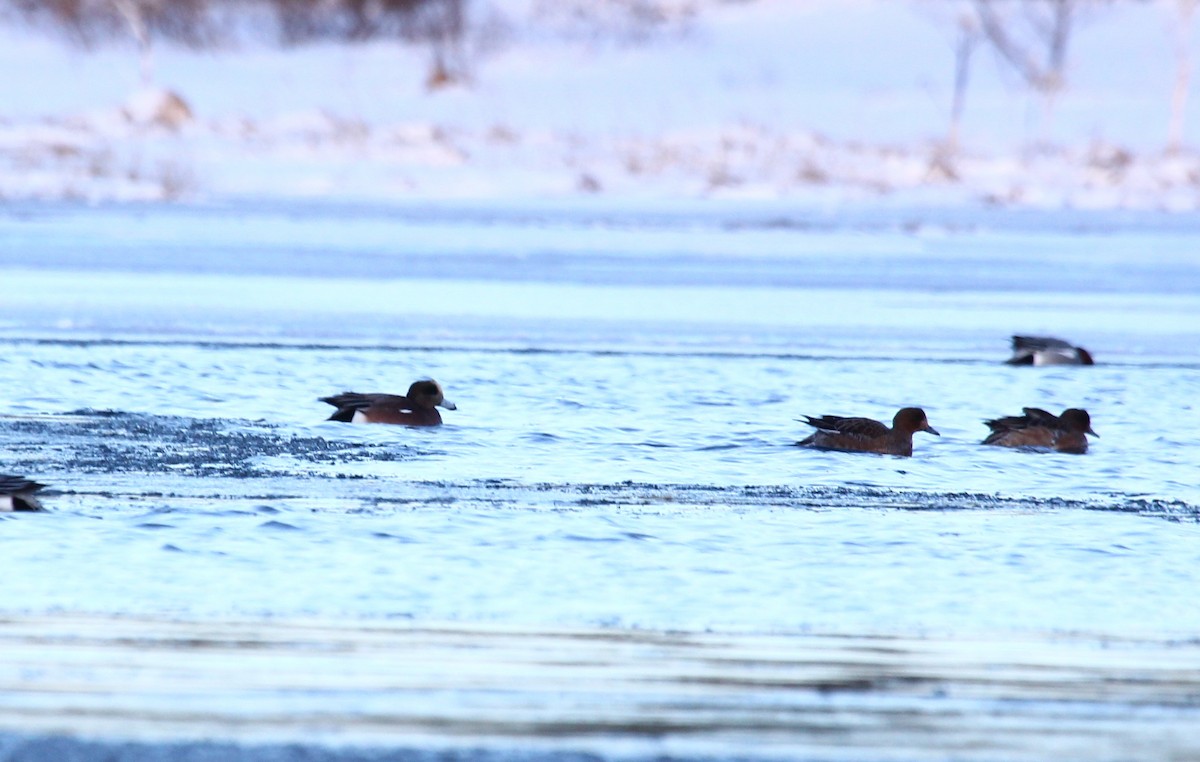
(16, 494)
(1038, 428)
(417, 408)
(1045, 350)
(867, 435)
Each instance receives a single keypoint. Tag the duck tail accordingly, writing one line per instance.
(343, 414)
(347, 403)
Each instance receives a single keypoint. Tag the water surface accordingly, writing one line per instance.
(628, 387)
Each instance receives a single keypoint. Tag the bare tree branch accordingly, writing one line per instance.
(440, 23)
(1051, 31)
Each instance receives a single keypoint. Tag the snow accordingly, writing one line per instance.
(823, 101)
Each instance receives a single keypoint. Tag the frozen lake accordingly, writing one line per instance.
(621, 464)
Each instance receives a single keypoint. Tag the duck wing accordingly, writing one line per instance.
(359, 401)
(857, 427)
(1035, 416)
(1038, 343)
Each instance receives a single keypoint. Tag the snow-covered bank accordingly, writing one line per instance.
(318, 155)
(768, 99)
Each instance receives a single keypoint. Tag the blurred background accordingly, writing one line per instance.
(1046, 103)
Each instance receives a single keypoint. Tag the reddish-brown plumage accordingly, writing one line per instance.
(1040, 429)
(867, 435)
(417, 408)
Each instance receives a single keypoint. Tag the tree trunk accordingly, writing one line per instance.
(968, 37)
(1046, 76)
(1186, 10)
(131, 11)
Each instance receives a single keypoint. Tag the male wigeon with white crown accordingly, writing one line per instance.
(17, 494)
(1038, 429)
(835, 432)
(1045, 350)
(417, 408)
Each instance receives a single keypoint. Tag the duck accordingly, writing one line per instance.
(16, 494)
(835, 432)
(1037, 428)
(416, 408)
(1046, 350)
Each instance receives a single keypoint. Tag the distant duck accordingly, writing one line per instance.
(417, 408)
(1045, 350)
(1040, 429)
(867, 435)
(16, 494)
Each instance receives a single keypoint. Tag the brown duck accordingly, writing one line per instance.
(1040, 429)
(417, 408)
(867, 435)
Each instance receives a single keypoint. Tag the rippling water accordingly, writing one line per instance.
(628, 386)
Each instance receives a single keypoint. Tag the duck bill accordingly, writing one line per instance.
(448, 405)
(1093, 433)
(932, 430)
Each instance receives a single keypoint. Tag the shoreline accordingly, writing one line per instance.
(140, 152)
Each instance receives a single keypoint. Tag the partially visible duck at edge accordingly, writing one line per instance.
(867, 435)
(417, 408)
(1045, 350)
(1040, 429)
(17, 494)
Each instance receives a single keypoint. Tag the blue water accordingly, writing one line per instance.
(628, 384)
